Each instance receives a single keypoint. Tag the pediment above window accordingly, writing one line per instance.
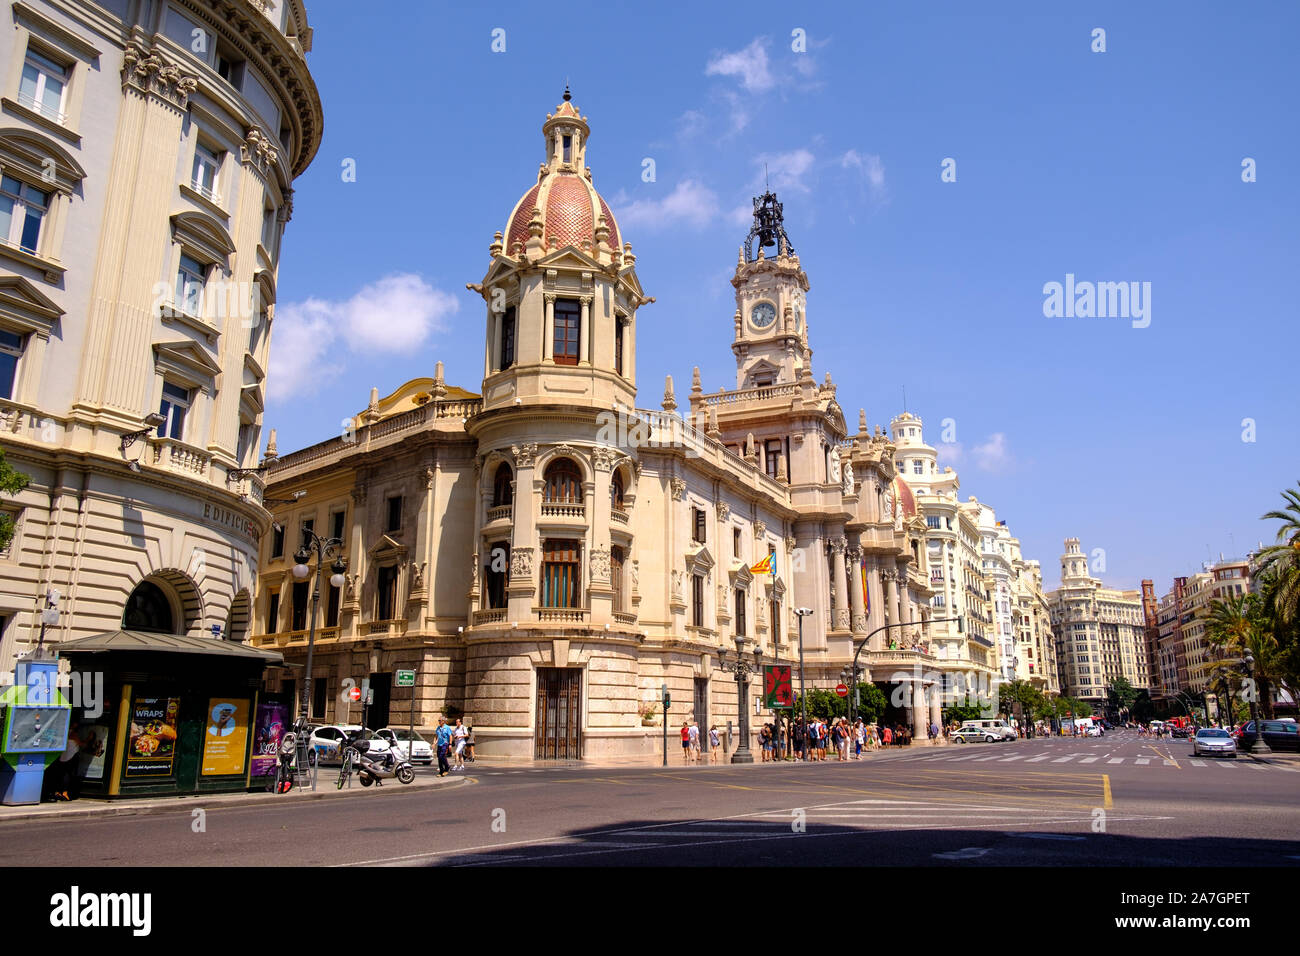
(204, 234)
(35, 158)
(387, 547)
(22, 305)
(251, 402)
(188, 359)
(739, 575)
(698, 559)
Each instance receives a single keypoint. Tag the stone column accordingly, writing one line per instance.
(856, 601)
(920, 714)
(548, 329)
(525, 556)
(584, 332)
(936, 709)
(891, 601)
(840, 617)
(876, 615)
(496, 323)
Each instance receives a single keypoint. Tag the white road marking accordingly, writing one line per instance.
(1089, 760)
(965, 853)
(1016, 757)
(1197, 763)
(1116, 760)
(1036, 759)
(1063, 759)
(1141, 761)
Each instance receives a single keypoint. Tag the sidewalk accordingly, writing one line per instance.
(1277, 757)
(326, 789)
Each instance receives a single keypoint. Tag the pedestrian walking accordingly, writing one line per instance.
(714, 744)
(458, 737)
(886, 736)
(444, 747)
(686, 742)
(695, 742)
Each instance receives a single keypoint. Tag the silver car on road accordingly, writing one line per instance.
(1213, 742)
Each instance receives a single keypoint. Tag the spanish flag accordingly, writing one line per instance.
(866, 591)
(766, 566)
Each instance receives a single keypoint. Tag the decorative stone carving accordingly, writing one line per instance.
(677, 585)
(525, 454)
(473, 571)
(835, 465)
(722, 599)
(848, 478)
(150, 73)
(859, 623)
(258, 150)
(564, 451)
(670, 400)
(428, 477)
(350, 587)
(790, 543)
(417, 575)
(549, 296)
(887, 506)
(636, 575)
(521, 563)
(600, 564)
(604, 457)
(678, 488)
(838, 547)
(842, 619)
(760, 528)
(724, 511)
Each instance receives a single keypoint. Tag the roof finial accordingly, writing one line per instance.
(567, 95)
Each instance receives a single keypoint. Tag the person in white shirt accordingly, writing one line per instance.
(695, 743)
(458, 738)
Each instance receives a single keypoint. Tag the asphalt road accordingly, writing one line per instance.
(1113, 801)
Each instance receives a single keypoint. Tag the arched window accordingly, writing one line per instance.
(148, 609)
(616, 491)
(563, 482)
(502, 491)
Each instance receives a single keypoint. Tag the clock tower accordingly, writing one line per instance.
(771, 330)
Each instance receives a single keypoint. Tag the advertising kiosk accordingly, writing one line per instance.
(34, 717)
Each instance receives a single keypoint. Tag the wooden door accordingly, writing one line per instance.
(559, 714)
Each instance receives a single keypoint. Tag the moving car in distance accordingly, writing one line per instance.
(1213, 742)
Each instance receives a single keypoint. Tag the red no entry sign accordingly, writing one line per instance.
(355, 693)
(842, 690)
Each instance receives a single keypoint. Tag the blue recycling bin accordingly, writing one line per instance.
(35, 730)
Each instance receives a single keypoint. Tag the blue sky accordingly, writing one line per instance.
(1123, 165)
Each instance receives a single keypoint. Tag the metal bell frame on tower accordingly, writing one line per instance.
(768, 226)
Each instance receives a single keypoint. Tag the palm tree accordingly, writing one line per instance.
(1282, 560)
(1241, 623)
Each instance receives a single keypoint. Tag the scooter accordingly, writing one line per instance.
(377, 770)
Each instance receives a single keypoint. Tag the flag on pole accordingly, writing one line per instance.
(766, 566)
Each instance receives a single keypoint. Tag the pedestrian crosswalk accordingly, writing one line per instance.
(1084, 758)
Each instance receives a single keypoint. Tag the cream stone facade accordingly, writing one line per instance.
(148, 150)
(1099, 631)
(547, 555)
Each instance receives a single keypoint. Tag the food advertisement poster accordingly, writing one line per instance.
(225, 741)
(272, 725)
(151, 743)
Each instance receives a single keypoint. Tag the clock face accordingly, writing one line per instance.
(763, 315)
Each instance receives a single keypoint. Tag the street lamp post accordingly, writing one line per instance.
(801, 613)
(1259, 746)
(742, 669)
(325, 548)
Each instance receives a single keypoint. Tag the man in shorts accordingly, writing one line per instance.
(695, 742)
(686, 742)
(443, 747)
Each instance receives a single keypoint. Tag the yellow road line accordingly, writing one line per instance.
(1165, 756)
(1105, 789)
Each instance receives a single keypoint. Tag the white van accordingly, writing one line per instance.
(995, 725)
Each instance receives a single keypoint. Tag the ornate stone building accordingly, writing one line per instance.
(546, 555)
(148, 152)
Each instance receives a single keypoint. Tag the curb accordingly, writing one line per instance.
(189, 802)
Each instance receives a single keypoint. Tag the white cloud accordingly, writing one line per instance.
(690, 124)
(993, 455)
(786, 171)
(393, 316)
(690, 202)
(749, 65)
(869, 167)
(950, 453)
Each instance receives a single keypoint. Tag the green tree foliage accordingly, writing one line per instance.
(1122, 693)
(12, 481)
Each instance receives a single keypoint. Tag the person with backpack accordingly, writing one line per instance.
(714, 744)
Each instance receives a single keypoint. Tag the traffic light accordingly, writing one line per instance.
(668, 700)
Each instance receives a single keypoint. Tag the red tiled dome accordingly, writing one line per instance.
(570, 208)
(903, 495)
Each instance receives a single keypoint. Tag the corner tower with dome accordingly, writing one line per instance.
(547, 555)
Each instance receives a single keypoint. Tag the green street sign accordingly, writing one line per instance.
(406, 678)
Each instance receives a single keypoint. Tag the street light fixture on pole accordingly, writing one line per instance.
(325, 549)
(801, 613)
(1259, 746)
(742, 669)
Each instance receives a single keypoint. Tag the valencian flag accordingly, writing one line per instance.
(766, 566)
(778, 691)
(866, 591)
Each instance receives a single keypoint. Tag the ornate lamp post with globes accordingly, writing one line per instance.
(742, 669)
(325, 548)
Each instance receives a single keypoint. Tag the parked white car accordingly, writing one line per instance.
(999, 728)
(327, 742)
(400, 737)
